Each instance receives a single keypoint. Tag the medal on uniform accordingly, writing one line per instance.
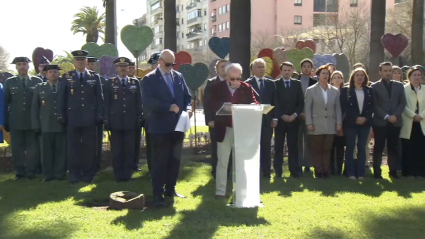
(72, 91)
(43, 102)
(116, 97)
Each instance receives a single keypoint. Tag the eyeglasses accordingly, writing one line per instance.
(168, 64)
(234, 79)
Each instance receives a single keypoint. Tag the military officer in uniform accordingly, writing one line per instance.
(18, 93)
(41, 66)
(123, 116)
(92, 66)
(44, 121)
(80, 107)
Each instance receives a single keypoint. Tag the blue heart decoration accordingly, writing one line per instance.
(220, 46)
(320, 60)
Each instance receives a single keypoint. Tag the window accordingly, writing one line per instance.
(228, 25)
(228, 8)
(152, 19)
(200, 42)
(188, 45)
(182, 8)
(182, 35)
(354, 3)
(219, 11)
(158, 41)
(182, 21)
(319, 20)
(205, 12)
(194, 14)
(219, 28)
(212, 31)
(157, 29)
(298, 20)
(205, 27)
(298, 3)
(205, 42)
(155, 6)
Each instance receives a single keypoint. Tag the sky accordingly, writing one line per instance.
(28, 24)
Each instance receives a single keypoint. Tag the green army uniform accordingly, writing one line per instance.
(53, 134)
(18, 94)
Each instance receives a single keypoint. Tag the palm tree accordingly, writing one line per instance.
(377, 22)
(418, 32)
(61, 59)
(240, 34)
(170, 26)
(111, 21)
(89, 23)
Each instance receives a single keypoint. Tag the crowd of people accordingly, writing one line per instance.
(57, 122)
(325, 123)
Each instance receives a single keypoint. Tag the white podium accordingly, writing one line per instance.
(246, 154)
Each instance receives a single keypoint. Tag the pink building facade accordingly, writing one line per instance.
(276, 16)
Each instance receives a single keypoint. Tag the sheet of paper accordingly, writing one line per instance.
(183, 125)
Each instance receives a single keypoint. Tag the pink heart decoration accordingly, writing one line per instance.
(395, 44)
(306, 43)
(38, 54)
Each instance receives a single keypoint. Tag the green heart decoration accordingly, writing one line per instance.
(194, 75)
(136, 39)
(97, 51)
(296, 56)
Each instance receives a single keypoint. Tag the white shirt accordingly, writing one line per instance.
(259, 83)
(125, 79)
(163, 75)
(325, 94)
(360, 99)
(286, 80)
(78, 73)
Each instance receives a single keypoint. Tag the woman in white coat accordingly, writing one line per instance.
(413, 128)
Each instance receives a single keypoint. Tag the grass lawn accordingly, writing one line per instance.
(294, 208)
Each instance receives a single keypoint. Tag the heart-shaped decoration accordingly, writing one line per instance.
(279, 56)
(319, 60)
(136, 39)
(97, 51)
(141, 73)
(4, 76)
(194, 75)
(306, 43)
(395, 44)
(269, 65)
(37, 56)
(220, 46)
(182, 57)
(107, 67)
(66, 67)
(296, 56)
(343, 65)
(269, 53)
(211, 68)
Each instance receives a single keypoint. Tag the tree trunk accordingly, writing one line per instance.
(170, 26)
(240, 34)
(111, 22)
(377, 17)
(418, 32)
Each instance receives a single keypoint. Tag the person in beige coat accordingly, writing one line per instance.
(323, 119)
(413, 128)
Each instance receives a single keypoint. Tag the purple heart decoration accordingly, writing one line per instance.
(320, 60)
(4, 76)
(37, 56)
(395, 44)
(107, 67)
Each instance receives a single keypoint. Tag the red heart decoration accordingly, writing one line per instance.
(395, 44)
(38, 54)
(269, 53)
(306, 43)
(182, 57)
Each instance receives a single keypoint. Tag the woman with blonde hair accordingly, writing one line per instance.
(357, 106)
(337, 152)
(397, 74)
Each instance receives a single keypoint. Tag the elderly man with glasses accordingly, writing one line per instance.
(232, 91)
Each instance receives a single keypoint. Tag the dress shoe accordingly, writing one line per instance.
(173, 194)
(378, 177)
(159, 200)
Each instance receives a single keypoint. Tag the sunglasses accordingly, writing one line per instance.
(234, 79)
(168, 64)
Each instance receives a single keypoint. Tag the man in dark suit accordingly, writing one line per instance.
(123, 117)
(289, 106)
(220, 67)
(165, 95)
(80, 108)
(266, 90)
(304, 145)
(389, 104)
(235, 92)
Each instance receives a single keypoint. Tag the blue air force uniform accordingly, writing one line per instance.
(80, 107)
(123, 116)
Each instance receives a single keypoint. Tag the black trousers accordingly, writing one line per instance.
(290, 132)
(337, 155)
(413, 162)
(54, 155)
(138, 139)
(25, 152)
(389, 134)
(265, 150)
(81, 151)
(122, 142)
(149, 150)
(167, 150)
(99, 146)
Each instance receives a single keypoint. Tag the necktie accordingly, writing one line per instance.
(123, 83)
(170, 83)
(81, 78)
(24, 83)
(261, 86)
(54, 88)
(287, 84)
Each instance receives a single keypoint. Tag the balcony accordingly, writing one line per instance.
(194, 35)
(191, 5)
(194, 21)
(157, 11)
(158, 21)
(158, 33)
(214, 18)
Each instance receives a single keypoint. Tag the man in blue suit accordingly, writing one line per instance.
(80, 108)
(165, 95)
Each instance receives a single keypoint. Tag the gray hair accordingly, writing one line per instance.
(258, 60)
(232, 66)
